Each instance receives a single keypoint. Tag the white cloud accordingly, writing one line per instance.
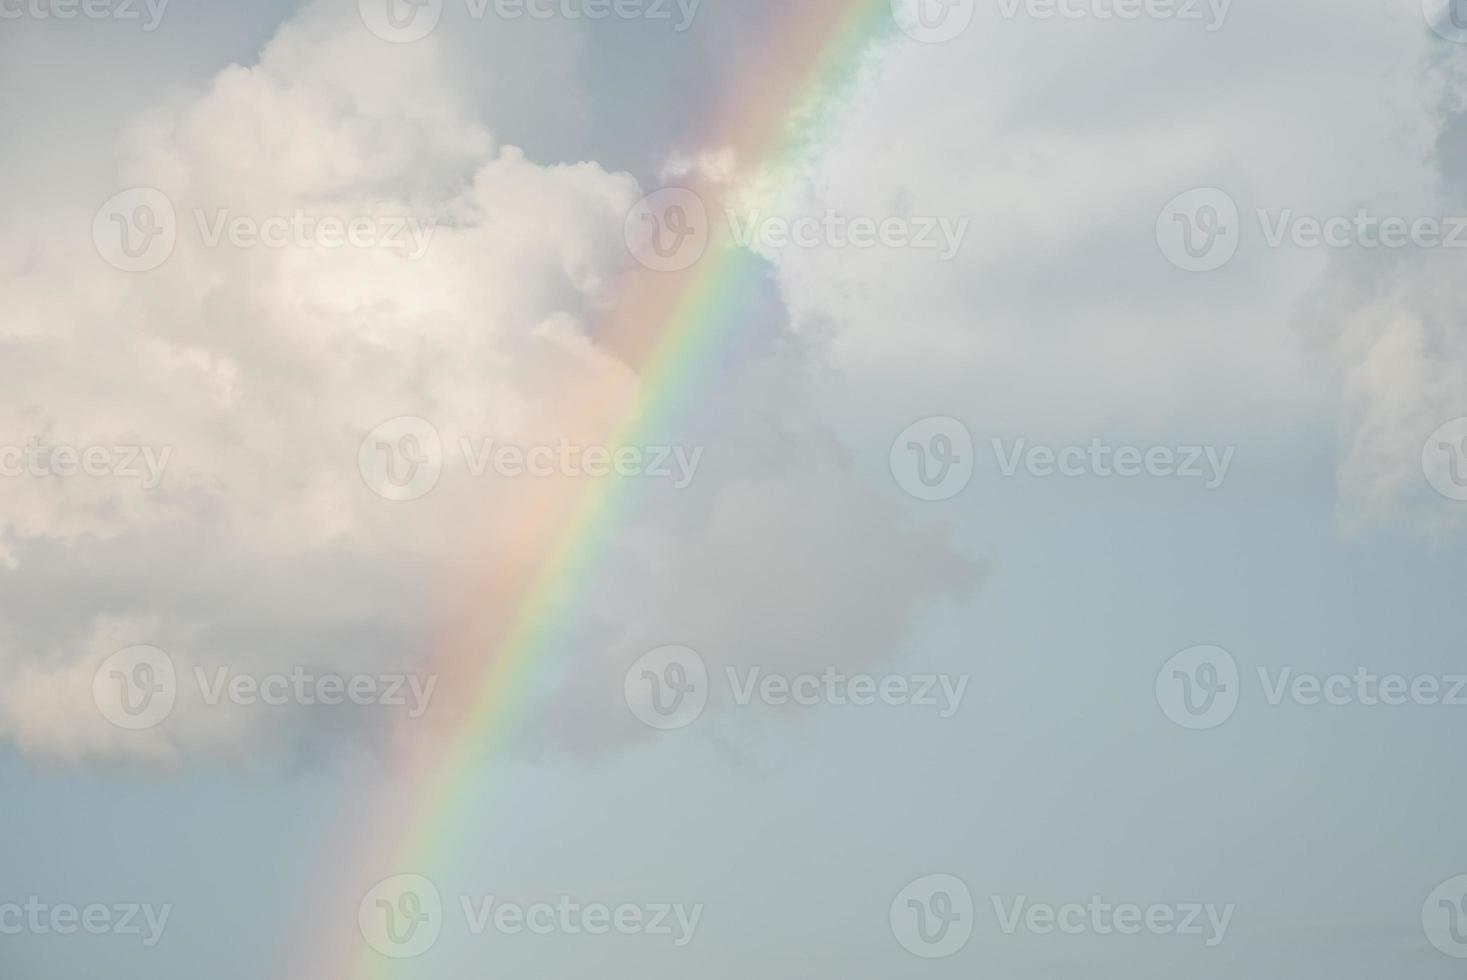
(262, 369)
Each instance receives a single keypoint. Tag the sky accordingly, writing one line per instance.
(710, 489)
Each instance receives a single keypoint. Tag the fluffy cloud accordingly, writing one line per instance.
(261, 370)
(1061, 318)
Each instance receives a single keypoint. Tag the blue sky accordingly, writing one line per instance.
(320, 515)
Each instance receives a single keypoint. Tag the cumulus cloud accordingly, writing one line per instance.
(260, 371)
(1060, 318)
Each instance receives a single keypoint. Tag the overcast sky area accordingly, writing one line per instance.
(733, 488)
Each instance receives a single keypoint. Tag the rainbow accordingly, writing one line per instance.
(676, 330)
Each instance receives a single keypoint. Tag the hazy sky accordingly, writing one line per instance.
(1052, 562)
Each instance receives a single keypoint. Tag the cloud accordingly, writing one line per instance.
(261, 370)
(1061, 140)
